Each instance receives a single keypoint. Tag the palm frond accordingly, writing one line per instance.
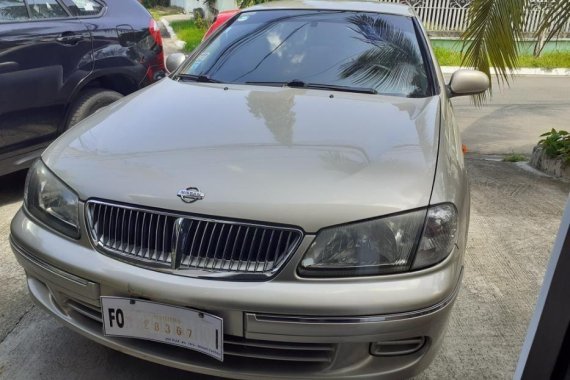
(490, 39)
(391, 60)
(555, 18)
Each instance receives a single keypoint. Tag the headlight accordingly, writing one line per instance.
(383, 246)
(439, 236)
(51, 201)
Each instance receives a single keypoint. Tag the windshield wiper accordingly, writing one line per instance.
(197, 78)
(334, 87)
(318, 86)
(268, 83)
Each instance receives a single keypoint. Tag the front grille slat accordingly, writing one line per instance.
(163, 253)
(115, 232)
(259, 250)
(194, 238)
(250, 250)
(278, 245)
(123, 230)
(234, 246)
(95, 211)
(141, 241)
(154, 250)
(146, 253)
(213, 266)
(150, 237)
(128, 245)
(266, 263)
(104, 222)
(135, 235)
(245, 235)
(207, 253)
(223, 256)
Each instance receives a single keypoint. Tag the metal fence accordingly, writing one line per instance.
(453, 15)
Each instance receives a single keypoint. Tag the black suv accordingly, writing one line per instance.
(61, 60)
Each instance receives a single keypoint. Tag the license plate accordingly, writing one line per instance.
(179, 326)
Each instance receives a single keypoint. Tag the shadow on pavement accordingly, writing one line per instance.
(12, 187)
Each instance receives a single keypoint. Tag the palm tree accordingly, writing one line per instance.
(495, 27)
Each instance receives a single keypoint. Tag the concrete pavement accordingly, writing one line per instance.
(516, 116)
(14, 300)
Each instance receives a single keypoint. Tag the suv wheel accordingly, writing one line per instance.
(89, 102)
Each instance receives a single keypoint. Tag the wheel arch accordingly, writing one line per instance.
(122, 82)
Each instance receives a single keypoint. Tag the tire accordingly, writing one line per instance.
(90, 101)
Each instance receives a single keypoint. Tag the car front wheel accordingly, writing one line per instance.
(89, 102)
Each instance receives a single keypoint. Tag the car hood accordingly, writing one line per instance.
(308, 158)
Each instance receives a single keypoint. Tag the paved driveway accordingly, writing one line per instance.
(516, 116)
(513, 225)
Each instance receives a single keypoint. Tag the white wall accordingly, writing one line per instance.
(226, 5)
(189, 5)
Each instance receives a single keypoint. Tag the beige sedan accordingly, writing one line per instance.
(290, 203)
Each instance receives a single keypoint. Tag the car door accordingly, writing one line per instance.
(44, 53)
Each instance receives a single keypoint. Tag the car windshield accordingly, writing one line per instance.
(336, 50)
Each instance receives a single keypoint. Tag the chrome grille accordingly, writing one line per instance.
(136, 233)
(188, 242)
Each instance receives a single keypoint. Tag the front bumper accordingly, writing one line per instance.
(275, 329)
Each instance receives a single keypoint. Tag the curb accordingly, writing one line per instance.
(179, 44)
(523, 71)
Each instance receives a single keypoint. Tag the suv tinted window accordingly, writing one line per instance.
(13, 10)
(46, 9)
(85, 8)
(337, 48)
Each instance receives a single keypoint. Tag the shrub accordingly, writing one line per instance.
(200, 22)
(556, 144)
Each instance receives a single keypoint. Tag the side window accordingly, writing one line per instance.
(85, 8)
(13, 10)
(40, 9)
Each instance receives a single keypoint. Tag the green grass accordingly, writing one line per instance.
(447, 57)
(188, 32)
(547, 61)
(515, 157)
(158, 11)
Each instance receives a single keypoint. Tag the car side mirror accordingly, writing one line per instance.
(468, 82)
(173, 61)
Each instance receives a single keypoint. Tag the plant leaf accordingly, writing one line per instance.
(491, 35)
(555, 18)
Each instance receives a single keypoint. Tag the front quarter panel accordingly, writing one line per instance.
(451, 183)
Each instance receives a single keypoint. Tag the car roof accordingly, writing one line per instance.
(358, 6)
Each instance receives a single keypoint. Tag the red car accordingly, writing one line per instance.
(219, 20)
